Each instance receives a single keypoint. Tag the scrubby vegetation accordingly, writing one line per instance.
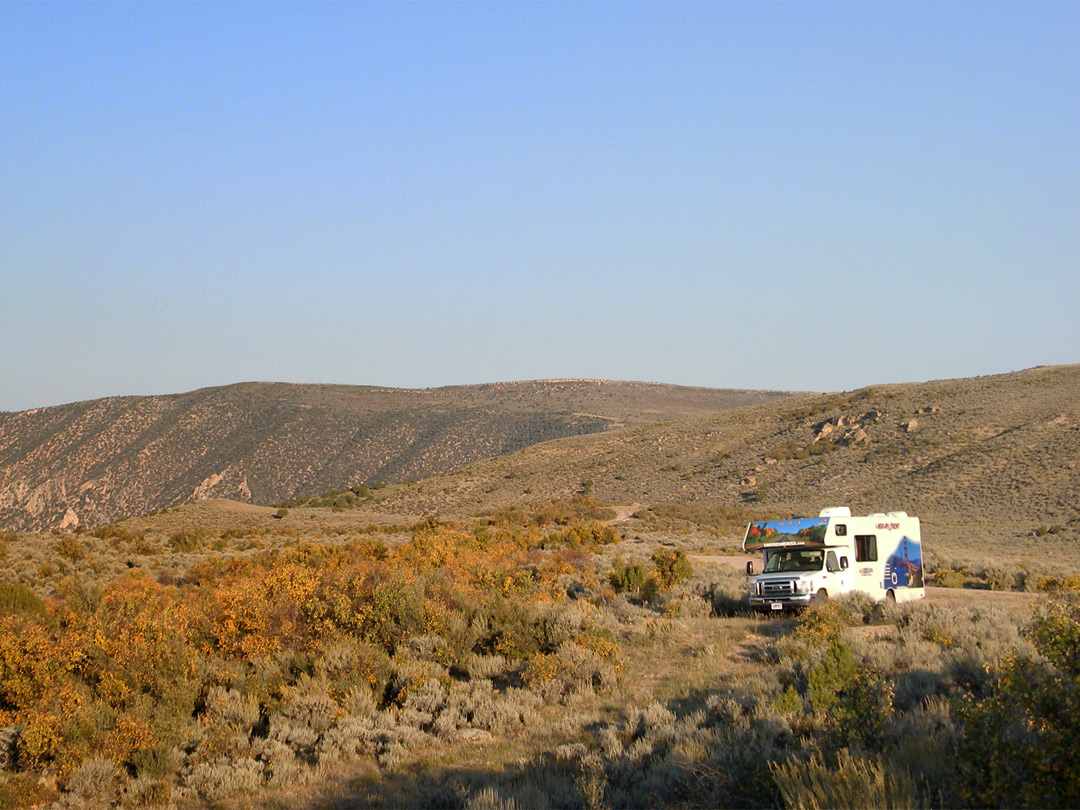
(949, 708)
(561, 653)
(275, 669)
(337, 499)
(560, 512)
(252, 671)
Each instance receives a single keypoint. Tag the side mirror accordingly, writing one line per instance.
(843, 564)
(749, 568)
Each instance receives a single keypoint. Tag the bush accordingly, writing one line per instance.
(1019, 743)
(650, 589)
(858, 607)
(948, 578)
(1045, 584)
(185, 540)
(999, 579)
(95, 782)
(829, 676)
(224, 776)
(626, 577)
(557, 512)
(589, 534)
(117, 534)
(18, 598)
(70, 549)
(672, 567)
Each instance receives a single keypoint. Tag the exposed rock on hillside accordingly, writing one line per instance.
(94, 462)
(993, 457)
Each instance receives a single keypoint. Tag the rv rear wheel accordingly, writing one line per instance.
(890, 596)
(821, 596)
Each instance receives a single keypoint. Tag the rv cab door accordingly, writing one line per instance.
(838, 564)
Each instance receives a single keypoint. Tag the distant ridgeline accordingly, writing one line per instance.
(95, 462)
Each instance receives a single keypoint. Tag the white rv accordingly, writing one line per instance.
(809, 559)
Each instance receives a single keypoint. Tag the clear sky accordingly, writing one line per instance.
(770, 195)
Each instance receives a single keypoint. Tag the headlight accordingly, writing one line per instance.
(802, 587)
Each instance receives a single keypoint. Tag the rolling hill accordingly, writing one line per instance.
(982, 460)
(102, 460)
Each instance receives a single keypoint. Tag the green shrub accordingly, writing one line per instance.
(1055, 631)
(789, 702)
(822, 623)
(858, 607)
(650, 589)
(17, 598)
(1019, 746)
(626, 577)
(829, 676)
(672, 567)
(141, 545)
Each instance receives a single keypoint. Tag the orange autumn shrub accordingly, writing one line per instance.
(128, 673)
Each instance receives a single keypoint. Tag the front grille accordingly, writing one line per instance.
(778, 587)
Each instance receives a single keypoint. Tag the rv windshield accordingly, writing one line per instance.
(795, 560)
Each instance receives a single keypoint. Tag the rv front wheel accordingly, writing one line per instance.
(821, 596)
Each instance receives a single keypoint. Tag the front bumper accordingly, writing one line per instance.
(775, 604)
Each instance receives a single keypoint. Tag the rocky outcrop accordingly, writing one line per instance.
(95, 462)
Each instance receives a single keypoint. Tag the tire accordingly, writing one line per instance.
(821, 596)
(890, 597)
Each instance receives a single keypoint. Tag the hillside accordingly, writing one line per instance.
(94, 462)
(989, 459)
(548, 651)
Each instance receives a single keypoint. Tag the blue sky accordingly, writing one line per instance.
(797, 196)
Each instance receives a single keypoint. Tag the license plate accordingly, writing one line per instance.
(776, 606)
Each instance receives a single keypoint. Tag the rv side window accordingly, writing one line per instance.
(865, 548)
(830, 562)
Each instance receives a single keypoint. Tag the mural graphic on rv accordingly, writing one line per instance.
(776, 533)
(903, 569)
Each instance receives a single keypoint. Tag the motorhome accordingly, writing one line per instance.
(808, 559)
